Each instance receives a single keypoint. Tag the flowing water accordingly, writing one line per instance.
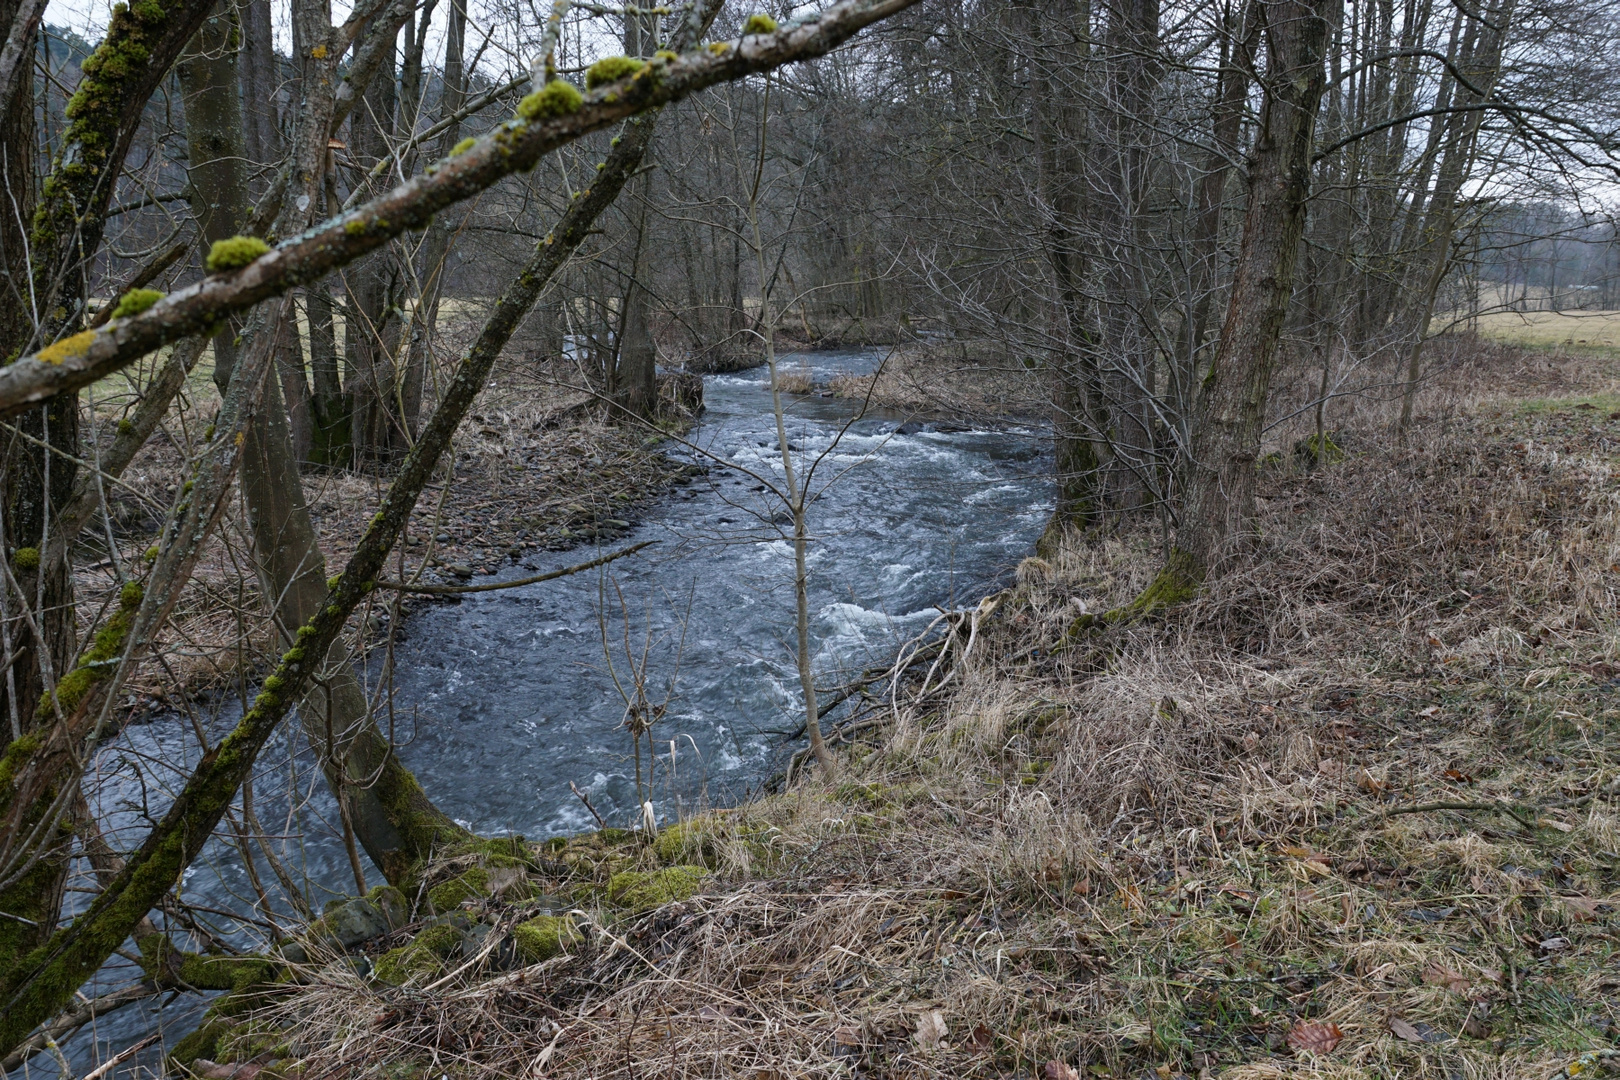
(502, 699)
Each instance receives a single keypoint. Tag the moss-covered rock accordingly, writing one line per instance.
(424, 955)
(449, 895)
(354, 921)
(545, 936)
(638, 890)
(1308, 454)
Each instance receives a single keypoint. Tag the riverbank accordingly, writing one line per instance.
(538, 467)
(950, 382)
(1350, 813)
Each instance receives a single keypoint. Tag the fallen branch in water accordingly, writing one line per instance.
(457, 590)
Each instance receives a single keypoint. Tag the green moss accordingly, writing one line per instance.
(449, 895)
(66, 349)
(253, 1039)
(463, 146)
(665, 54)
(125, 427)
(635, 890)
(1177, 583)
(354, 227)
(202, 1043)
(135, 301)
(545, 936)
(25, 559)
(424, 955)
(610, 69)
(107, 645)
(151, 554)
(500, 851)
(557, 98)
(759, 23)
(17, 754)
(1307, 452)
(235, 253)
(686, 842)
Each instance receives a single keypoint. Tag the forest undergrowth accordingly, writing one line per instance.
(1350, 813)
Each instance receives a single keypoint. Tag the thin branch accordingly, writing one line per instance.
(459, 590)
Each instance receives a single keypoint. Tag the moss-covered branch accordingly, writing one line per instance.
(141, 44)
(543, 124)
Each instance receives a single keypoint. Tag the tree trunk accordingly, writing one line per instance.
(261, 84)
(214, 133)
(1062, 139)
(436, 248)
(1128, 351)
(329, 408)
(1219, 490)
(372, 326)
(635, 383)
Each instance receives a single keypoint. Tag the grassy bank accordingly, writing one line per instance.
(1351, 813)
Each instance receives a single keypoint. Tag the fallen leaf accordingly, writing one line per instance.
(1372, 784)
(715, 1012)
(1314, 1037)
(1491, 974)
(981, 1038)
(1549, 823)
(1555, 944)
(1233, 890)
(1401, 1029)
(1476, 1027)
(1457, 776)
(1417, 1032)
(1440, 975)
(1432, 710)
(1581, 909)
(1083, 886)
(931, 1031)
(1234, 943)
(1059, 1070)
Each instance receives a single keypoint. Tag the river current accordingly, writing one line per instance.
(503, 699)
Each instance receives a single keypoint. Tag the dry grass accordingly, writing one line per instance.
(796, 380)
(953, 381)
(1541, 329)
(1155, 853)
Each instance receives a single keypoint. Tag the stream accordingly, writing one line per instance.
(502, 699)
